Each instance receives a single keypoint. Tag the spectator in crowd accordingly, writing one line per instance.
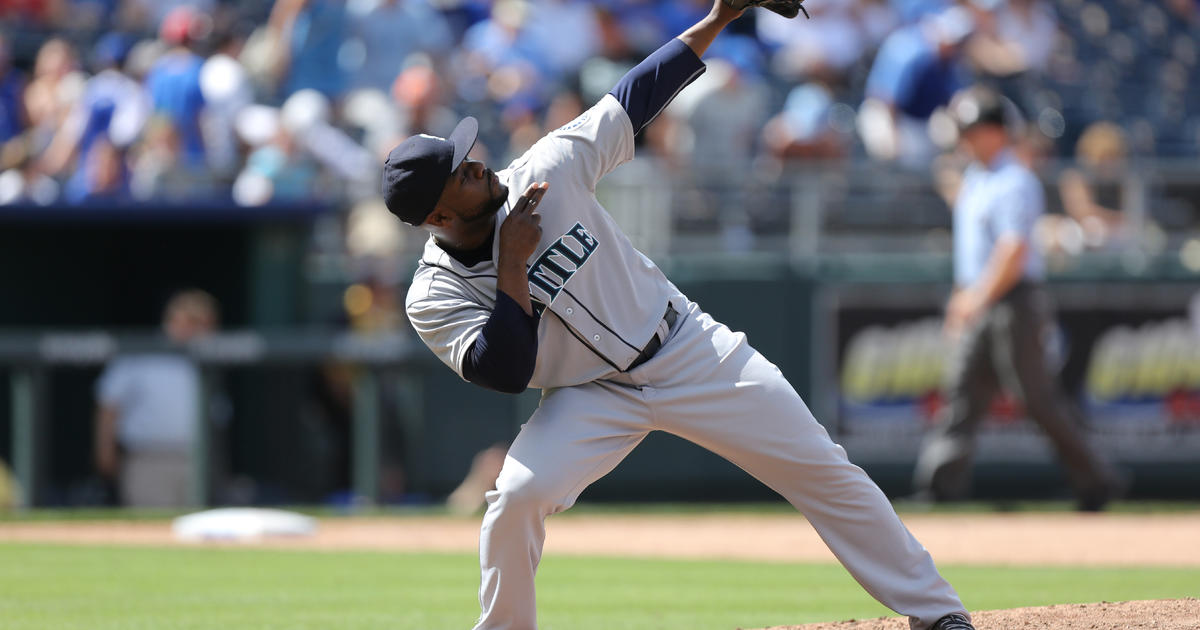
(877, 19)
(912, 11)
(462, 14)
(826, 46)
(1013, 37)
(725, 111)
(496, 61)
(527, 127)
(806, 129)
(51, 94)
(419, 93)
(1186, 10)
(629, 27)
(23, 181)
(998, 316)
(522, 124)
(102, 176)
(566, 34)
(566, 106)
(40, 12)
(142, 56)
(174, 80)
(150, 14)
(160, 170)
(307, 37)
(676, 15)
(1092, 191)
(916, 71)
(372, 117)
(386, 32)
(226, 88)
(12, 86)
(307, 116)
(147, 412)
(108, 94)
(278, 170)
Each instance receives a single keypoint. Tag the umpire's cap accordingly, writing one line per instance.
(416, 171)
(981, 105)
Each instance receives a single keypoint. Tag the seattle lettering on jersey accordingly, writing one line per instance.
(551, 271)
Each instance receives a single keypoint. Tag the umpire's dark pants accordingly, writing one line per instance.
(1005, 349)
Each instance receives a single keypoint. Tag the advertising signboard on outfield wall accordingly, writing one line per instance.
(1132, 365)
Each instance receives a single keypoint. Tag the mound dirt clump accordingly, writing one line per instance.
(1160, 614)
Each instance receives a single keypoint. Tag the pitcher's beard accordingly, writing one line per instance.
(490, 208)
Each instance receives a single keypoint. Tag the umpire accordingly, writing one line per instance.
(999, 313)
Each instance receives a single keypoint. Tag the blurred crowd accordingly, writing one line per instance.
(116, 101)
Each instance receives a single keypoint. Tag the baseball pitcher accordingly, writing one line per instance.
(527, 282)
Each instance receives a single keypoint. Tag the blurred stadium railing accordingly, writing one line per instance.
(808, 211)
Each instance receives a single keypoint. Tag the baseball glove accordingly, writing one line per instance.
(786, 8)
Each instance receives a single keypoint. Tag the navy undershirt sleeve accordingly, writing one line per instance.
(503, 355)
(647, 89)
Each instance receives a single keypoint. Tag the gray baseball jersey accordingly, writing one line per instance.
(601, 299)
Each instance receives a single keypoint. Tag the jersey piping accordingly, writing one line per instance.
(598, 321)
(575, 334)
(464, 277)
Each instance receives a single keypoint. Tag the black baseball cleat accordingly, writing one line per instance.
(1112, 489)
(953, 621)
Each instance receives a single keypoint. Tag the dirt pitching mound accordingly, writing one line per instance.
(1160, 614)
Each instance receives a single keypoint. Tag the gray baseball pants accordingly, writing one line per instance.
(706, 385)
(1005, 348)
(156, 478)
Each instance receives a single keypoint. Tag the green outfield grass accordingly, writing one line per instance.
(44, 587)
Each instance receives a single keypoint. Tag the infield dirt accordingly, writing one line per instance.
(1147, 540)
(1162, 614)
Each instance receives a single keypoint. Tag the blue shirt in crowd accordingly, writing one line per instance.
(174, 86)
(1001, 199)
(911, 11)
(909, 74)
(390, 33)
(317, 39)
(12, 86)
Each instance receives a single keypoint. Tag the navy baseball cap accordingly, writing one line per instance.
(416, 171)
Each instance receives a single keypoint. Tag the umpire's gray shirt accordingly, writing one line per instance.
(999, 199)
